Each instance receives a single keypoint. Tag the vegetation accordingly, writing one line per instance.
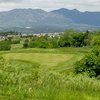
(41, 42)
(15, 41)
(8, 33)
(5, 45)
(51, 68)
(90, 64)
(22, 80)
(75, 39)
(95, 40)
(68, 39)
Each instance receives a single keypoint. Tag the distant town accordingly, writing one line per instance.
(21, 35)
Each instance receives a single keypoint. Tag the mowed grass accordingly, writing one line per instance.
(48, 59)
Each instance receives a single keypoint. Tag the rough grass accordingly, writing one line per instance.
(21, 80)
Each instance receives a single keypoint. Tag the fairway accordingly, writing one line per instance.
(49, 59)
(46, 60)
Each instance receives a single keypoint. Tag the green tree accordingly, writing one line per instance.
(89, 64)
(65, 40)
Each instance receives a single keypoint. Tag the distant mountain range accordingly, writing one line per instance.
(37, 20)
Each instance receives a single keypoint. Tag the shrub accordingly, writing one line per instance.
(43, 42)
(95, 41)
(89, 64)
(25, 44)
(5, 45)
(15, 41)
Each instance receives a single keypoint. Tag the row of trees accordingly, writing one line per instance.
(75, 39)
(68, 39)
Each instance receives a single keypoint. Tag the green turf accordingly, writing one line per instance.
(49, 59)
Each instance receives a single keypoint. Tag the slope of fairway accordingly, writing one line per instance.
(48, 59)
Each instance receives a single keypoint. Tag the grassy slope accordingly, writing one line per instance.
(62, 59)
(21, 81)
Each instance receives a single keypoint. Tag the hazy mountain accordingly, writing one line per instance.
(37, 20)
(90, 18)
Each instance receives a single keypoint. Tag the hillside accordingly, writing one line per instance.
(37, 20)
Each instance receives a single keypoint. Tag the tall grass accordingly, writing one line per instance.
(21, 80)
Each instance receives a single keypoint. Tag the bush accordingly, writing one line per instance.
(43, 42)
(15, 41)
(79, 39)
(95, 41)
(89, 64)
(5, 45)
(26, 43)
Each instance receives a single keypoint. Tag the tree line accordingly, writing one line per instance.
(69, 38)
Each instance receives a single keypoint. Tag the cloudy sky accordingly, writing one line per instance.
(82, 5)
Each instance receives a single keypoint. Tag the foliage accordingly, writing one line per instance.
(5, 45)
(25, 44)
(75, 39)
(90, 64)
(79, 39)
(42, 42)
(69, 38)
(8, 33)
(65, 40)
(95, 40)
(15, 41)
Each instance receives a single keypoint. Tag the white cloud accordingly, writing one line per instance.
(91, 5)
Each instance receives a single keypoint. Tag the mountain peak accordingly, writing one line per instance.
(67, 10)
(75, 10)
(29, 9)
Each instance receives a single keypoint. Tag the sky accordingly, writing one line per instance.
(48, 5)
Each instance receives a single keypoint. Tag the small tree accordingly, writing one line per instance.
(65, 40)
